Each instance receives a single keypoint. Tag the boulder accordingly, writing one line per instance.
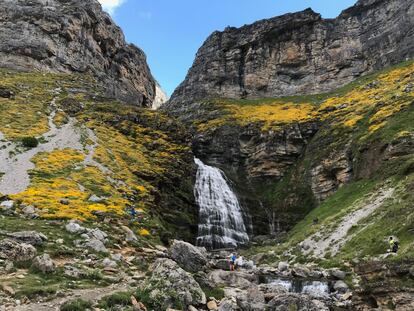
(337, 274)
(283, 266)
(16, 251)
(189, 257)
(340, 286)
(96, 234)
(96, 245)
(6, 205)
(44, 264)
(411, 271)
(94, 198)
(108, 263)
(73, 272)
(28, 210)
(228, 305)
(297, 302)
(30, 237)
(232, 278)
(254, 300)
(168, 277)
(129, 234)
(212, 305)
(74, 227)
(222, 264)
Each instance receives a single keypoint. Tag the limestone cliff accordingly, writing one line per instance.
(74, 36)
(300, 53)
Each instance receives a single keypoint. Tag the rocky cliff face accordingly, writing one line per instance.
(74, 36)
(300, 53)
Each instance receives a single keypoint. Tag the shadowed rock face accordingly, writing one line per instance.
(74, 36)
(300, 53)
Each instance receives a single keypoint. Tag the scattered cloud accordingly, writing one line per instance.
(111, 5)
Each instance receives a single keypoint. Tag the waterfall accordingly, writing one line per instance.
(221, 221)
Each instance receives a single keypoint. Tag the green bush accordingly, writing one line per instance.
(216, 292)
(76, 305)
(116, 299)
(30, 142)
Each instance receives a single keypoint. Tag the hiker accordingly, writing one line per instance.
(233, 259)
(133, 212)
(393, 245)
(238, 263)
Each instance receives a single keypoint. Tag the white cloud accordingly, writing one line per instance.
(110, 5)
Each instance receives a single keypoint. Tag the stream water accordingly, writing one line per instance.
(221, 222)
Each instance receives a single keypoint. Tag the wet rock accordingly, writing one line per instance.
(30, 237)
(167, 276)
(16, 251)
(44, 264)
(189, 257)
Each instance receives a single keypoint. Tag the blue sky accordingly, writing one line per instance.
(171, 31)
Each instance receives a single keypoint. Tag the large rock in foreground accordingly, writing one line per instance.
(16, 251)
(189, 257)
(300, 53)
(74, 36)
(171, 284)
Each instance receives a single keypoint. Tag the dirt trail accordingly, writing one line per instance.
(320, 243)
(15, 164)
(93, 295)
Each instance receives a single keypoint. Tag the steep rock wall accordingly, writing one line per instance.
(300, 53)
(74, 36)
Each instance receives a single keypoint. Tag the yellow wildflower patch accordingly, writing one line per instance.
(144, 232)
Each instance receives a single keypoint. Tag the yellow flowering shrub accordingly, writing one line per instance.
(144, 232)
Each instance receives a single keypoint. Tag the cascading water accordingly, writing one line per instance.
(221, 221)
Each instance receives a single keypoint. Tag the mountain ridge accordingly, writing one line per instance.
(299, 53)
(74, 36)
